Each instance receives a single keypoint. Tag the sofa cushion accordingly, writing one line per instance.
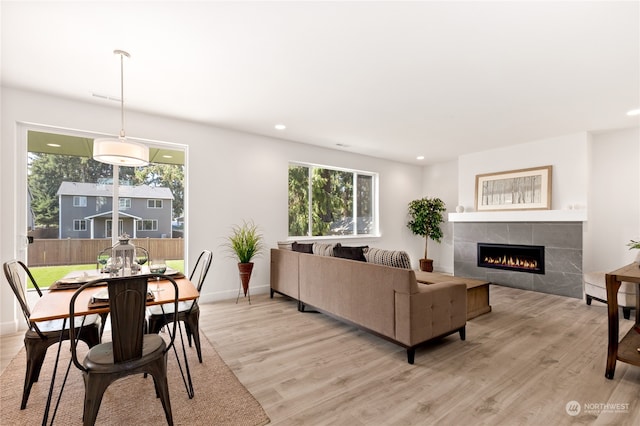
(302, 247)
(353, 253)
(395, 258)
(323, 249)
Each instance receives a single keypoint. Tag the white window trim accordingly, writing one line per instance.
(140, 225)
(82, 225)
(81, 201)
(155, 202)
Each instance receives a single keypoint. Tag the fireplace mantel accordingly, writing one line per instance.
(579, 215)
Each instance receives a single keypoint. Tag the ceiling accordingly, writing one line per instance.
(387, 79)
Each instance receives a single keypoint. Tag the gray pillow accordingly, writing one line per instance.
(395, 258)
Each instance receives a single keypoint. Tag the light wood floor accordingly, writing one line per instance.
(520, 365)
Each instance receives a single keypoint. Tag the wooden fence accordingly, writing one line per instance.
(51, 252)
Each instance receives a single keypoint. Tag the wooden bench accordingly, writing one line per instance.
(477, 291)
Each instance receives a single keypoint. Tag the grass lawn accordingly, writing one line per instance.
(47, 275)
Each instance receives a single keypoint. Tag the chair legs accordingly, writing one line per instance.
(95, 384)
(36, 349)
(191, 322)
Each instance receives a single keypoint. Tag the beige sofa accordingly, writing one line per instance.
(384, 300)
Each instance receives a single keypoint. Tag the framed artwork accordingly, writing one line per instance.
(524, 189)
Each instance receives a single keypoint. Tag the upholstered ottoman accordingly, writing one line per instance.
(595, 288)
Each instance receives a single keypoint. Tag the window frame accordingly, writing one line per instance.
(82, 225)
(155, 201)
(126, 201)
(375, 194)
(79, 201)
(140, 225)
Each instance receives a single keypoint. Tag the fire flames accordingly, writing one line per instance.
(513, 262)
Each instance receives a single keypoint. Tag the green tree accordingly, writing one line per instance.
(298, 200)
(331, 201)
(164, 175)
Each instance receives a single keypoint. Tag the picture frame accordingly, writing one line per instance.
(523, 189)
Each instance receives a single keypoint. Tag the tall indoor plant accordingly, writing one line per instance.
(425, 217)
(245, 243)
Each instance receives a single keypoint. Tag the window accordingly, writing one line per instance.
(109, 227)
(147, 225)
(124, 203)
(79, 201)
(154, 204)
(79, 225)
(327, 201)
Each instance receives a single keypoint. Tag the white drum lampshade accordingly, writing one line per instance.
(120, 152)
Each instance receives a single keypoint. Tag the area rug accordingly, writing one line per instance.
(220, 399)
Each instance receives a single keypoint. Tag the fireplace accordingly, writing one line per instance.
(522, 258)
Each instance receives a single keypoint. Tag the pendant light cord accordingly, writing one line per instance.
(122, 92)
(122, 54)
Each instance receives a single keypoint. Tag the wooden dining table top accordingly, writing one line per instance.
(54, 304)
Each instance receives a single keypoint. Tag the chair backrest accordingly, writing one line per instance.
(12, 271)
(127, 306)
(201, 268)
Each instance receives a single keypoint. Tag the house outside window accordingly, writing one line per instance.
(79, 225)
(79, 201)
(124, 203)
(154, 204)
(147, 225)
(326, 201)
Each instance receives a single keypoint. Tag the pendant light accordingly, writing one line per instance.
(121, 151)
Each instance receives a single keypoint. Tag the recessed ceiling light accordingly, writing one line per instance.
(55, 145)
(420, 157)
(167, 156)
(280, 126)
(634, 112)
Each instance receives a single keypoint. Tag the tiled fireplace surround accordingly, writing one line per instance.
(563, 254)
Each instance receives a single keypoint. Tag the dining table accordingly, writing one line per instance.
(54, 305)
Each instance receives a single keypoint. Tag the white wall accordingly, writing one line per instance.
(441, 180)
(231, 176)
(614, 200)
(567, 154)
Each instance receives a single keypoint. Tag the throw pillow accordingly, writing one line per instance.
(302, 247)
(353, 253)
(397, 259)
(323, 249)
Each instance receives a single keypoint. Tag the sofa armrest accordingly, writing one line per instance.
(284, 272)
(435, 310)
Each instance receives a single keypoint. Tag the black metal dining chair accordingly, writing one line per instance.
(130, 351)
(41, 335)
(187, 312)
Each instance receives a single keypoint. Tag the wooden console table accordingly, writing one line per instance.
(477, 291)
(628, 349)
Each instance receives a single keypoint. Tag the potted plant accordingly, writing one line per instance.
(245, 243)
(426, 215)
